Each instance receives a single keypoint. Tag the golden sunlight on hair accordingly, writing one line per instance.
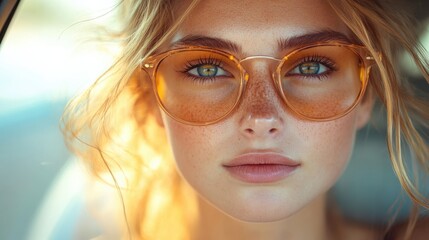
(114, 126)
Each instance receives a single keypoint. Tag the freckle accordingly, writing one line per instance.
(260, 97)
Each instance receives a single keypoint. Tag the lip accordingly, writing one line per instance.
(261, 167)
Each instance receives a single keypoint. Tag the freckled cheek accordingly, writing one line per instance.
(330, 144)
(191, 146)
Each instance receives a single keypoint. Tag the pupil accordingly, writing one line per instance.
(309, 68)
(207, 70)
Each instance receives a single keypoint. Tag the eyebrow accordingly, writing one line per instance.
(283, 43)
(204, 41)
(314, 37)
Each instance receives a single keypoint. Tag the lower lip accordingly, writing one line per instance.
(261, 173)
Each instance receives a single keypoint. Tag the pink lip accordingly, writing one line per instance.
(261, 167)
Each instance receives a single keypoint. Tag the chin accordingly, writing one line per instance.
(260, 213)
(256, 217)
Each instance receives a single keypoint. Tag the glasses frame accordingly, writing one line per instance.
(151, 64)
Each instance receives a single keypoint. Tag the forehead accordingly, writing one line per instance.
(255, 25)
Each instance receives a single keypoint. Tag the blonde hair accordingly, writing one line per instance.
(386, 32)
(111, 126)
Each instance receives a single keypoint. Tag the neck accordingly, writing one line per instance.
(309, 223)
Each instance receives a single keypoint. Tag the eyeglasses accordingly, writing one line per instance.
(200, 86)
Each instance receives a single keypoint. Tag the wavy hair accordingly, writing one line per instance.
(386, 32)
(111, 126)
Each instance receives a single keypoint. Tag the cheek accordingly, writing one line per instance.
(194, 149)
(329, 147)
(185, 144)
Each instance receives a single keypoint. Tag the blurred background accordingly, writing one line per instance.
(47, 56)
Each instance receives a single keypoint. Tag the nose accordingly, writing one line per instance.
(261, 127)
(261, 110)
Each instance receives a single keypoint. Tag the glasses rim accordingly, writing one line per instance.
(150, 66)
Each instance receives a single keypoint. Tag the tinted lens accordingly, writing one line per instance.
(322, 82)
(198, 86)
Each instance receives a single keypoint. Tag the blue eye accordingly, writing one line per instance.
(313, 66)
(309, 68)
(207, 71)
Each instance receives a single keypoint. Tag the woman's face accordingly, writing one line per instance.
(262, 162)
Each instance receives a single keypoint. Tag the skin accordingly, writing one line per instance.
(262, 123)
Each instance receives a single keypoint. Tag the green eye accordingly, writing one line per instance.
(207, 70)
(310, 68)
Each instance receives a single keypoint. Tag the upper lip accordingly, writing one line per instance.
(259, 158)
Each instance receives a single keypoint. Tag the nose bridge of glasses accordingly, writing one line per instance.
(263, 88)
(260, 57)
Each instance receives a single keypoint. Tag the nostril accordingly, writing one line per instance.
(249, 131)
(273, 130)
(261, 127)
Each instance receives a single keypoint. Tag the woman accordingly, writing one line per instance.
(257, 105)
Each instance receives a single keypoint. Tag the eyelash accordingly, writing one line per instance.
(201, 61)
(327, 62)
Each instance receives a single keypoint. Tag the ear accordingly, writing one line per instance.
(364, 109)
